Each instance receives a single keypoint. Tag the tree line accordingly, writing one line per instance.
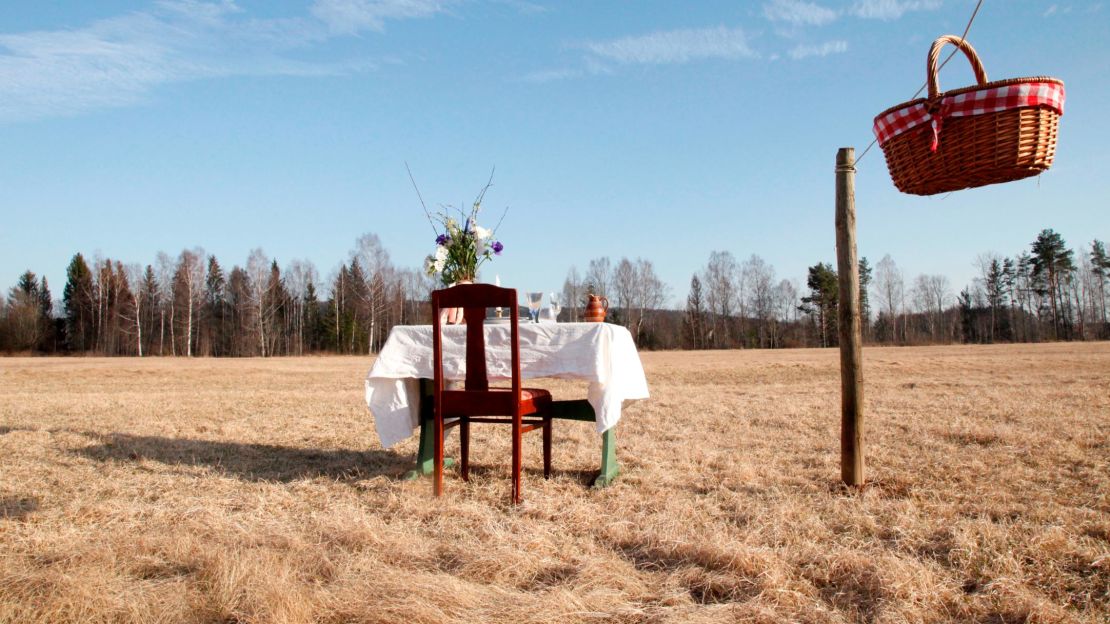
(190, 305)
(1048, 292)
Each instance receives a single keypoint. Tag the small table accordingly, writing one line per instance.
(398, 391)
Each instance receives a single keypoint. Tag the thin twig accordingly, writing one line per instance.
(489, 183)
(501, 219)
(418, 196)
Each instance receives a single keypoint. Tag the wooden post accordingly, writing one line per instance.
(851, 338)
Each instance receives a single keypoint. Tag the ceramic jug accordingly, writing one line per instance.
(596, 308)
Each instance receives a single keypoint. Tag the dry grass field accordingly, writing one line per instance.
(256, 491)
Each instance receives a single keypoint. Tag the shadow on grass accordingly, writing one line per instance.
(17, 508)
(251, 462)
(502, 471)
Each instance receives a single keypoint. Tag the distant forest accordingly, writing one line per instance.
(190, 305)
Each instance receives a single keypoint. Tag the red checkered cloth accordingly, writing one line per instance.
(978, 102)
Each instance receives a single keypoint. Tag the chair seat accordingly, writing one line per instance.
(532, 400)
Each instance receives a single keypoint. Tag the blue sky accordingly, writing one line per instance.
(662, 130)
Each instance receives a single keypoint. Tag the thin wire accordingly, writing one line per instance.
(926, 85)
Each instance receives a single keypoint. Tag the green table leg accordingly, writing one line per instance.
(609, 466)
(425, 458)
(580, 409)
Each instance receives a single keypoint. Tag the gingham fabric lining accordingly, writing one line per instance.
(976, 102)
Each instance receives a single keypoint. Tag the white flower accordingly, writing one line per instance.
(482, 233)
(441, 255)
(429, 265)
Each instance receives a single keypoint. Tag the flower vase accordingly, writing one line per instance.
(455, 316)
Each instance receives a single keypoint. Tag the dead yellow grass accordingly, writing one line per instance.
(256, 491)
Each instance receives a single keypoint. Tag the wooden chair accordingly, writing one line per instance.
(477, 402)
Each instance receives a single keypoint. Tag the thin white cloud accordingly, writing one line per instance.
(798, 12)
(119, 61)
(891, 9)
(351, 16)
(551, 75)
(1055, 10)
(523, 6)
(675, 46)
(824, 49)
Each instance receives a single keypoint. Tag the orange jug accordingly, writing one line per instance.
(596, 308)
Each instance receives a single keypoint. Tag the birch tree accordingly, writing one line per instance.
(258, 280)
(889, 291)
(599, 276)
(759, 279)
(719, 279)
(137, 304)
(573, 293)
(165, 296)
(300, 275)
(373, 260)
(189, 286)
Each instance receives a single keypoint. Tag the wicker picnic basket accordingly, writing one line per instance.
(985, 134)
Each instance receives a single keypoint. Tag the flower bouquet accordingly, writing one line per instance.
(461, 248)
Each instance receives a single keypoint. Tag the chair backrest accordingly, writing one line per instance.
(476, 398)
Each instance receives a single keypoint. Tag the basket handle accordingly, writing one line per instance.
(934, 55)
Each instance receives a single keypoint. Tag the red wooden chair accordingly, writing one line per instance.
(477, 402)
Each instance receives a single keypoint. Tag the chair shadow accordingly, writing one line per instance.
(583, 476)
(250, 462)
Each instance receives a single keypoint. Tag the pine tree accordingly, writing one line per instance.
(313, 321)
(277, 310)
(150, 295)
(995, 289)
(24, 326)
(215, 308)
(824, 292)
(1009, 284)
(967, 316)
(1100, 267)
(694, 321)
(864, 287)
(77, 297)
(48, 336)
(242, 310)
(1053, 262)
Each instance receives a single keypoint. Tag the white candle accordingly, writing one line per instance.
(497, 282)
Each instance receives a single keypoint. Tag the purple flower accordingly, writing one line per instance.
(497, 247)
(442, 240)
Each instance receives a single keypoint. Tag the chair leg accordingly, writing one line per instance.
(464, 444)
(516, 457)
(547, 447)
(437, 479)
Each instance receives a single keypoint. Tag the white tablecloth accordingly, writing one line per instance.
(599, 353)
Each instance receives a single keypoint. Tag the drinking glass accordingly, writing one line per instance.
(555, 307)
(535, 300)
